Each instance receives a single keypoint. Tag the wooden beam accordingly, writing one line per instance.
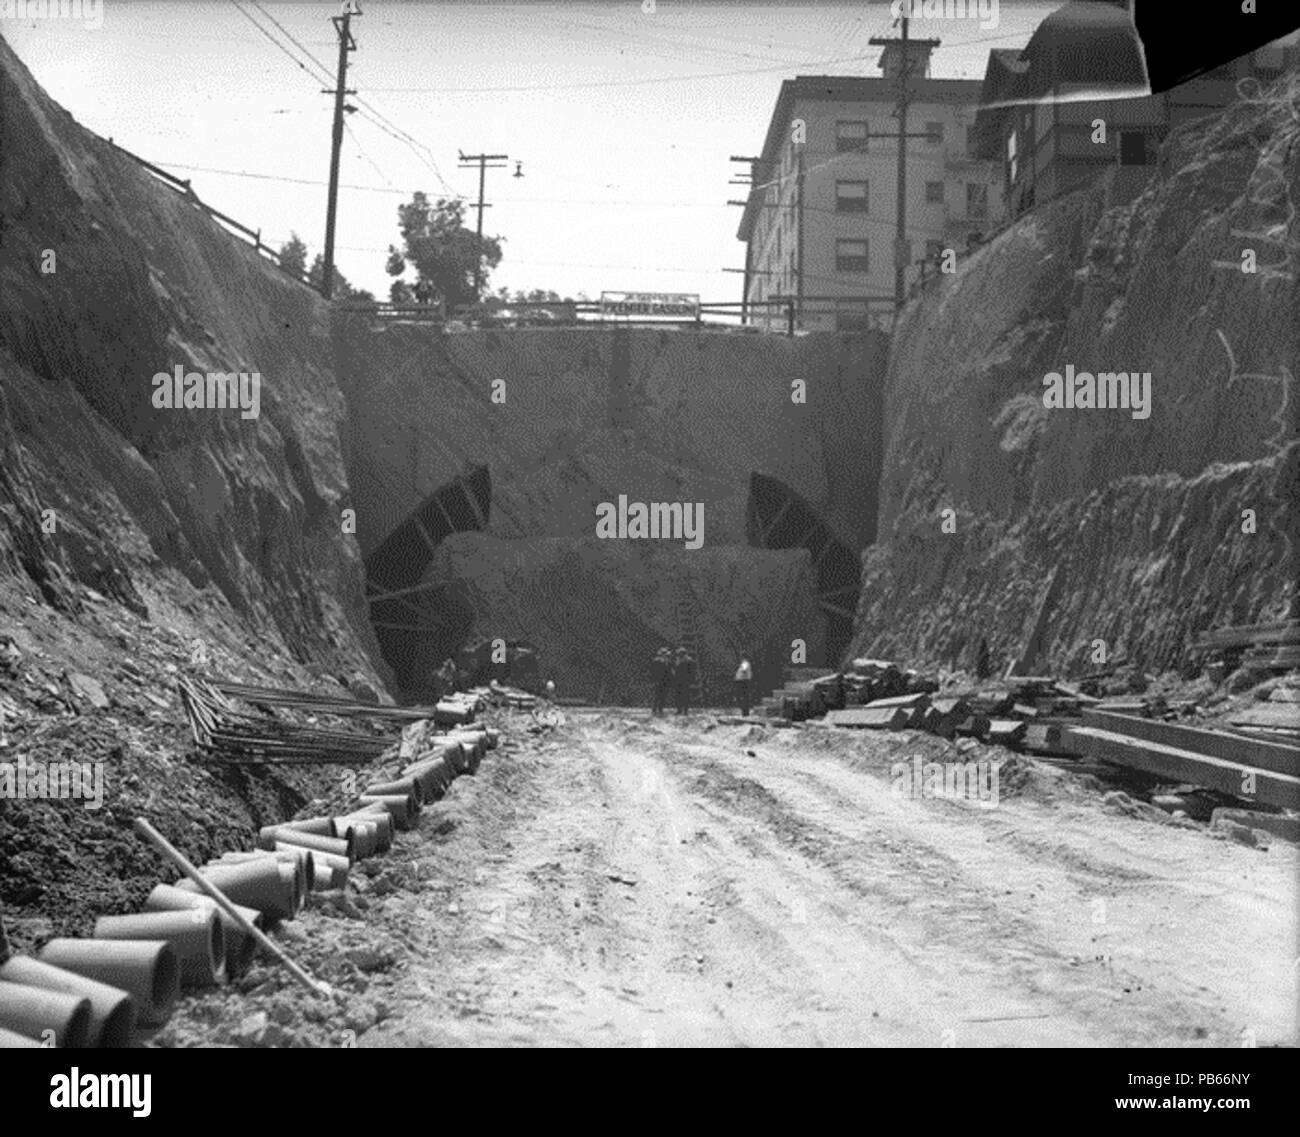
(1230, 747)
(473, 504)
(1183, 766)
(767, 526)
(836, 610)
(393, 594)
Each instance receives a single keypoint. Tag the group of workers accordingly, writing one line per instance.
(675, 670)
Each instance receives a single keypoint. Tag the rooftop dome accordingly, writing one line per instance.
(1087, 43)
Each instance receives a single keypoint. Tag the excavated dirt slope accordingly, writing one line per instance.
(137, 544)
(1077, 525)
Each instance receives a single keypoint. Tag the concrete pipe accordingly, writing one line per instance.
(324, 866)
(241, 948)
(10, 1040)
(431, 778)
(321, 826)
(274, 835)
(303, 862)
(365, 835)
(449, 714)
(382, 823)
(147, 969)
(43, 1014)
(261, 882)
(403, 808)
(398, 787)
(196, 934)
(112, 1010)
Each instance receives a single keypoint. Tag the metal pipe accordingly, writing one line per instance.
(53, 1017)
(147, 969)
(112, 1010)
(196, 934)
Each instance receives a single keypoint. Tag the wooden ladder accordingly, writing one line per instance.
(688, 634)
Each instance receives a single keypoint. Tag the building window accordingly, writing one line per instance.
(1012, 164)
(934, 193)
(851, 197)
(934, 133)
(977, 200)
(850, 134)
(1133, 148)
(851, 256)
(778, 241)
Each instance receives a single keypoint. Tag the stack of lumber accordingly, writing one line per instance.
(1254, 770)
(1263, 647)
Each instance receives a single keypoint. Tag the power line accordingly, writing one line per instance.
(362, 151)
(603, 82)
(279, 46)
(289, 35)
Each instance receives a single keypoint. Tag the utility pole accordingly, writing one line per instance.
(745, 180)
(902, 247)
(343, 27)
(468, 162)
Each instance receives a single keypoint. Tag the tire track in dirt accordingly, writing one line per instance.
(626, 881)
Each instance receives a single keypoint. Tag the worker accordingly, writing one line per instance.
(683, 678)
(550, 690)
(660, 667)
(744, 686)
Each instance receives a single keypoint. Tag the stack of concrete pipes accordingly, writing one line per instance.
(96, 992)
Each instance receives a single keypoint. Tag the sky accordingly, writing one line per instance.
(623, 115)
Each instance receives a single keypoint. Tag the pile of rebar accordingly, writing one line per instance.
(321, 704)
(224, 732)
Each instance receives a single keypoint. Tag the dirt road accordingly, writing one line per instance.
(621, 881)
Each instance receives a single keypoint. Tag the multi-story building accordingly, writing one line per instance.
(820, 223)
(1075, 103)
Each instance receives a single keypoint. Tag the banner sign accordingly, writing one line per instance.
(678, 305)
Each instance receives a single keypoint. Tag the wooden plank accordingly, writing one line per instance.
(1006, 731)
(1218, 744)
(1179, 766)
(1284, 715)
(920, 699)
(882, 718)
(1284, 631)
(1045, 738)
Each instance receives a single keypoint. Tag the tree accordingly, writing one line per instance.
(443, 252)
(342, 289)
(293, 255)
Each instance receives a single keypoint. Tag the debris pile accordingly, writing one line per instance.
(128, 975)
